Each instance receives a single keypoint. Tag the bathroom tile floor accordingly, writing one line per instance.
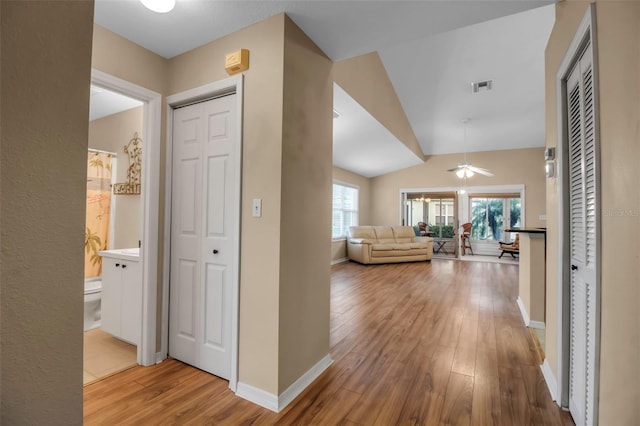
(105, 355)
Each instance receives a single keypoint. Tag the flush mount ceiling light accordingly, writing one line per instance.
(159, 6)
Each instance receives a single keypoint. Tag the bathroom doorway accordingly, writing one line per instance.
(113, 221)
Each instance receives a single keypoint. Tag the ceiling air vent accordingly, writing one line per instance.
(481, 86)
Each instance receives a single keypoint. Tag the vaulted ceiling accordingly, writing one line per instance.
(431, 50)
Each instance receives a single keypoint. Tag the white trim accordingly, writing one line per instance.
(344, 183)
(550, 380)
(150, 195)
(587, 28)
(303, 381)
(257, 396)
(279, 403)
(160, 357)
(525, 316)
(219, 88)
(341, 260)
(523, 311)
(536, 324)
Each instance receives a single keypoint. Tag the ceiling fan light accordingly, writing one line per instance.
(468, 173)
(460, 173)
(159, 6)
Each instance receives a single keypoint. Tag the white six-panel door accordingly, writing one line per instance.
(203, 220)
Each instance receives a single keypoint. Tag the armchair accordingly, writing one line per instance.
(512, 248)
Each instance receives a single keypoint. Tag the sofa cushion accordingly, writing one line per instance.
(384, 234)
(419, 245)
(403, 234)
(399, 253)
(391, 246)
(365, 232)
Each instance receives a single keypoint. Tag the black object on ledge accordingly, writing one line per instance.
(528, 230)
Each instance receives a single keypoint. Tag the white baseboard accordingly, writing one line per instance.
(525, 316)
(160, 357)
(278, 403)
(257, 396)
(523, 311)
(341, 260)
(305, 380)
(537, 324)
(550, 379)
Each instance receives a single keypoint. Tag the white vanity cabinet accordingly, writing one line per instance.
(121, 294)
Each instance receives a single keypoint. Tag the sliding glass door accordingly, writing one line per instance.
(490, 216)
(434, 215)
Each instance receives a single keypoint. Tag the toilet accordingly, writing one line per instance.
(92, 296)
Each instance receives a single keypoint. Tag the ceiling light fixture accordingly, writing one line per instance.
(159, 6)
(462, 173)
(466, 170)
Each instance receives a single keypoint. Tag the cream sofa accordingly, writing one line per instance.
(387, 244)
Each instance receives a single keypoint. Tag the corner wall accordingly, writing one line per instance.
(618, 37)
(43, 183)
(305, 227)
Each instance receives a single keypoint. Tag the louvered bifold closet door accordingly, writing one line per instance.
(583, 238)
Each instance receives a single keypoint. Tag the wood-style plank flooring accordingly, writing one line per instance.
(438, 343)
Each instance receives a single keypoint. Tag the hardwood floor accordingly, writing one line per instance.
(438, 343)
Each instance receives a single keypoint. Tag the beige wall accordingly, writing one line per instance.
(339, 247)
(618, 29)
(266, 154)
(111, 134)
(365, 79)
(287, 163)
(121, 58)
(305, 229)
(43, 175)
(261, 178)
(519, 166)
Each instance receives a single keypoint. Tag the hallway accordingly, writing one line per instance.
(415, 343)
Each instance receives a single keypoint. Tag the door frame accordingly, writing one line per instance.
(208, 91)
(560, 392)
(149, 213)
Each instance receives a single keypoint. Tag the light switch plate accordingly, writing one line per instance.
(257, 207)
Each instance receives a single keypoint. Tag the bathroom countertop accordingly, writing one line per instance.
(131, 254)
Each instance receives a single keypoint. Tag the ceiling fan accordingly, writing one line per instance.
(466, 169)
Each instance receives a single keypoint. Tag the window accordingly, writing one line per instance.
(345, 209)
(490, 216)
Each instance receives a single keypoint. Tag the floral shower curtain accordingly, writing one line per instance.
(98, 211)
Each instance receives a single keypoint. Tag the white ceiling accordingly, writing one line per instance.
(104, 102)
(432, 51)
(377, 150)
(432, 78)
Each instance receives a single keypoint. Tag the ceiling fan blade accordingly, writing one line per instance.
(481, 171)
(455, 169)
